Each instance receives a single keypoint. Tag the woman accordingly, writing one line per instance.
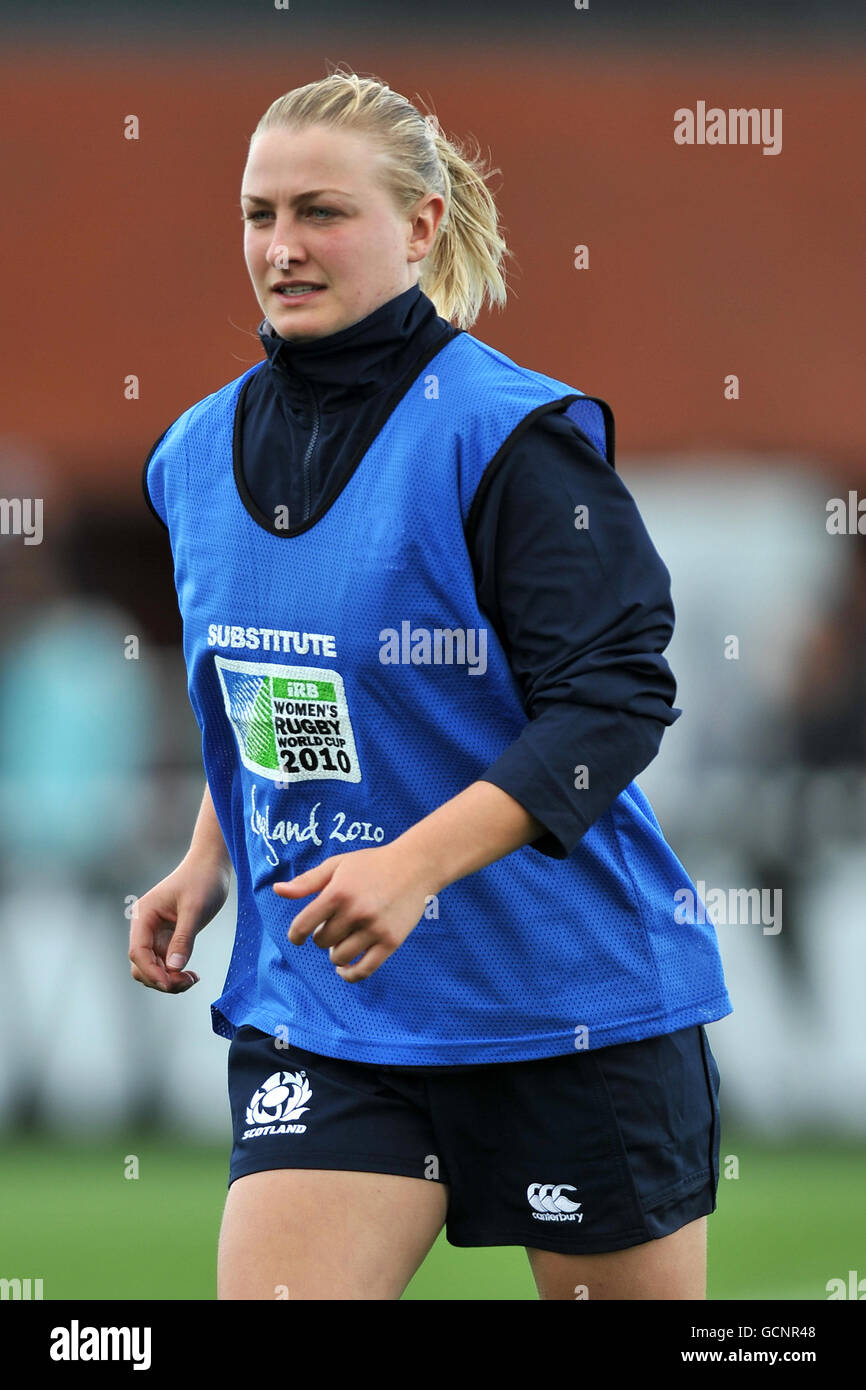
(423, 627)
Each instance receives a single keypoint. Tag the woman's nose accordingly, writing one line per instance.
(286, 244)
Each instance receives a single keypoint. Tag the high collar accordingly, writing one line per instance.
(358, 360)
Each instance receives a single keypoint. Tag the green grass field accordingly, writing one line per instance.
(794, 1218)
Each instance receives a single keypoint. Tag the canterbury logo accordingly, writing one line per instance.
(549, 1202)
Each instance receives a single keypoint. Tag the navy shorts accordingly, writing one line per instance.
(581, 1153)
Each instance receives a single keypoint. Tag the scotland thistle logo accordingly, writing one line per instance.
(280, 1100)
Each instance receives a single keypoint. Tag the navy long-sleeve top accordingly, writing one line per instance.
(583, 627)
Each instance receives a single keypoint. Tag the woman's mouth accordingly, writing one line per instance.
(297, 293)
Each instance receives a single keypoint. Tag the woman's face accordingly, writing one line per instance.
(315, 210)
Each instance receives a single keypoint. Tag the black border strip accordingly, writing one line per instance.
(147, 497)
(609, 430)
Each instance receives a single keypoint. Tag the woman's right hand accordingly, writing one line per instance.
(167, 919)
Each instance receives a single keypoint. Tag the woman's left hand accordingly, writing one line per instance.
(368, 902)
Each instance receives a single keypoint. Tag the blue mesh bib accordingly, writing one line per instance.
(346, 684)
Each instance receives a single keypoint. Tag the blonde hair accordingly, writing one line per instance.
(462, 267)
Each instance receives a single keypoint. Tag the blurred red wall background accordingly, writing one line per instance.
(126, 256)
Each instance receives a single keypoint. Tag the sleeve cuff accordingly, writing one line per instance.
(629, 744)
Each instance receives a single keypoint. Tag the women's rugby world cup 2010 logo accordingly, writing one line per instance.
(277, 1103)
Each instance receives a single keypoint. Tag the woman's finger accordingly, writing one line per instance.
(345, 951)
(363, 968)
(328, 929)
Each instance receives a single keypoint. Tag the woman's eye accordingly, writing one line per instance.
(253, 216)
